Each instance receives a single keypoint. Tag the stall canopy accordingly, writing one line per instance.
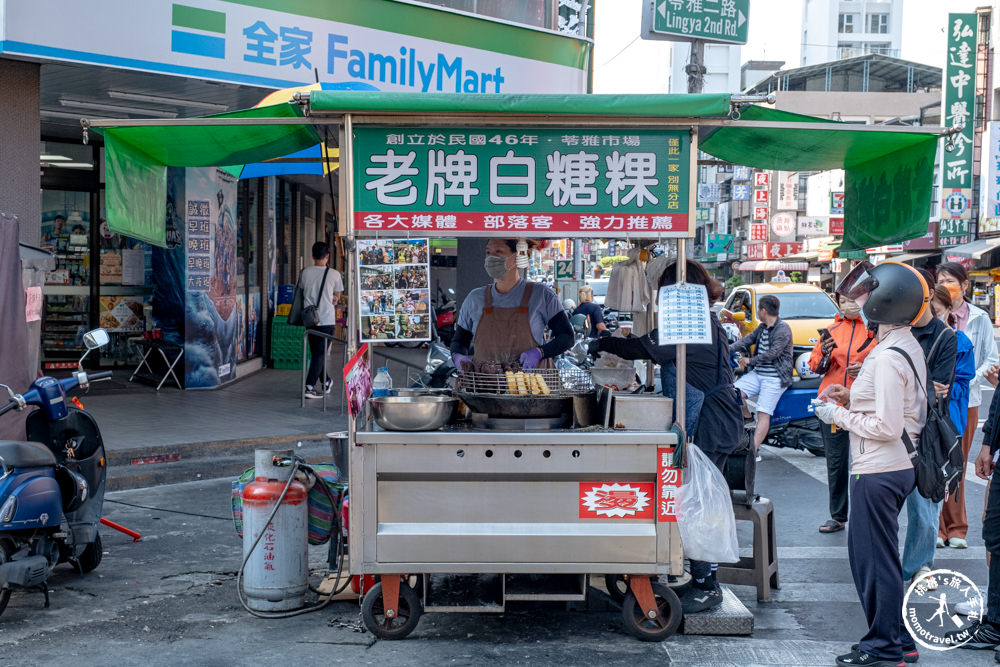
(974, 250)
(136, 161)
(889, 172)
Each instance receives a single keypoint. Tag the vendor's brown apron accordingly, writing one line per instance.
(504, 333)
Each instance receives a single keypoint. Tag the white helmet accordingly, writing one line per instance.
(802, 366)
(569, 304)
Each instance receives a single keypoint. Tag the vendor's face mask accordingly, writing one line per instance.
(496, 267)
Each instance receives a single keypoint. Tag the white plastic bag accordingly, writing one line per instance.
(705, 512)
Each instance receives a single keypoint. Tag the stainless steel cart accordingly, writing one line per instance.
(500, 505)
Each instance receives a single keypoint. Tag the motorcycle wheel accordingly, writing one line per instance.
(91, 556)
(5, 550)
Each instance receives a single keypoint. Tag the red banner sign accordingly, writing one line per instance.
(836, 226)
(762, 179)
(758, 232)
(761, 196)
(772, 250)
(760, 213)
(563, 223)
(668, 479)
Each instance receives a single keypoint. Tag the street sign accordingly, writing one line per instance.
(564, 269)
(719, 244)
(707, 20)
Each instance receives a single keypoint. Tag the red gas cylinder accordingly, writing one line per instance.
(275, 576)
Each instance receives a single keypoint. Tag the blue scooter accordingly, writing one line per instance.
(52, 485)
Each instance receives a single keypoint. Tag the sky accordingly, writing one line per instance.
(625, 64)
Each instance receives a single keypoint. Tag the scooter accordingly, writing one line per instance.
(52, 485)
(439, 372)
(444, 316)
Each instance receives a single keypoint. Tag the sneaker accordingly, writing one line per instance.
(930, 582)
(696, 600)
(759, 459)
(984, 635)
(958, 543)
(965, 608)
(910, 653)
(328, 386)
(856, 657)
(941, 544)
(312, 393)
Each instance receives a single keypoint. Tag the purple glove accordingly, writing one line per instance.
(457, 359)
(531, 358)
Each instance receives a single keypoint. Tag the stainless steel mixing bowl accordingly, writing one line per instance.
(413, 413)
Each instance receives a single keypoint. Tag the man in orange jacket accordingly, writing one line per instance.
(838, 357)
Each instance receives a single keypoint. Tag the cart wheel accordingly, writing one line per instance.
(653, 629)
(408, 613)
(617, 587)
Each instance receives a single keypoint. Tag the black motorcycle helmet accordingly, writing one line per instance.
(890, 293)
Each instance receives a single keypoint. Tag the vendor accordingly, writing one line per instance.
(506, 321)
(713, 415)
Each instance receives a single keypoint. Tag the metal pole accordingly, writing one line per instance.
(305, 345)
(681, 349)
(696, 67)
(350, 248)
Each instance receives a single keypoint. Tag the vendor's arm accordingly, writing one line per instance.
(461, 342)
(886, 422)
(626, 348)
(562, 336)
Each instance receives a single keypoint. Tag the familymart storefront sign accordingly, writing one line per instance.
(349, 44)
(571, 181)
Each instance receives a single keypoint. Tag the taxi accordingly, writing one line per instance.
(806, 308)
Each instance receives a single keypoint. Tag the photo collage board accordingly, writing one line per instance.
(394, 290)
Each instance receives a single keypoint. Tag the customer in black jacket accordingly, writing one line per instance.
(720, 424)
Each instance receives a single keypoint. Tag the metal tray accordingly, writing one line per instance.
(499, 405)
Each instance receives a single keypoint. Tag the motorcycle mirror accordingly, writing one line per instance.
(451, 291)
(10, 392)
(96, 338)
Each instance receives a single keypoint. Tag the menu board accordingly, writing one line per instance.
(394, 290)
(683, 315)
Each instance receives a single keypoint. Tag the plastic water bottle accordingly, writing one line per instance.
(382, 384)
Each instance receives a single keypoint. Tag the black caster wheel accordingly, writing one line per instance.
(617, 587)
(406, 619)
(668, 616)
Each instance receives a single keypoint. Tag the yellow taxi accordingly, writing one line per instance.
(806, 308)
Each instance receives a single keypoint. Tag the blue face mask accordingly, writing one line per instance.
(496, 267)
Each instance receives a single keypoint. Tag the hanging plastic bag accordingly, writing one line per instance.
(705, 512)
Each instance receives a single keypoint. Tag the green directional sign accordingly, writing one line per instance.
(708, 20)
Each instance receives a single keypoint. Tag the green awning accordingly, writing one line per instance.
(136, 160)
(889, 175)
(650, 106)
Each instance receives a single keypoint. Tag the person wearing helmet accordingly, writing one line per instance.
(593, 311)
(838, 356)
(886, 399)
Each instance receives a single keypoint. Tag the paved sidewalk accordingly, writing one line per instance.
(263, 405)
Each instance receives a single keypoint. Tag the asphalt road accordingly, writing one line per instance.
(170, 599)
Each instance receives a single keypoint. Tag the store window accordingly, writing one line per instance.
(845, 23)
(248, 266)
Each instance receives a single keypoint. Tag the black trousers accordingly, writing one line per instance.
(316, 349)
(873, 548)
(991, 535)
(838, 469)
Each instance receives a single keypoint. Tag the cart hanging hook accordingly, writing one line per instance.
(85, 124)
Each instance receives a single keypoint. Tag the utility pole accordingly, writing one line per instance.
(696, 67)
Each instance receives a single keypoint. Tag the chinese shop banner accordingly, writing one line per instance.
(592, 181)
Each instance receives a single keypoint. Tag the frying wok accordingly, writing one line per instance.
(524, 407)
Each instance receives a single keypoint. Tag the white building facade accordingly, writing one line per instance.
(836, 29)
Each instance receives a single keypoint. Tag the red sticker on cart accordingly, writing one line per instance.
(668, 479)
(616, 500)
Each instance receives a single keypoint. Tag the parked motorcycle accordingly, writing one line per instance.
(439, 372)
(445, 316)
(793, 424)
(52, 485)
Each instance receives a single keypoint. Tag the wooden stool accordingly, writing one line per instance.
(761, 569)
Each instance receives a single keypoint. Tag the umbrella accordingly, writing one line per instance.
(318, 159)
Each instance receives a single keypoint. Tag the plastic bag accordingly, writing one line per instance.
(705, 512)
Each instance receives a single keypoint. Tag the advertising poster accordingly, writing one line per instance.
(211, 317)
(393, 290)
(357, 381)
(121, 314)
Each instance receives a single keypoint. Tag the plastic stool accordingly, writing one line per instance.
(761, 569)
